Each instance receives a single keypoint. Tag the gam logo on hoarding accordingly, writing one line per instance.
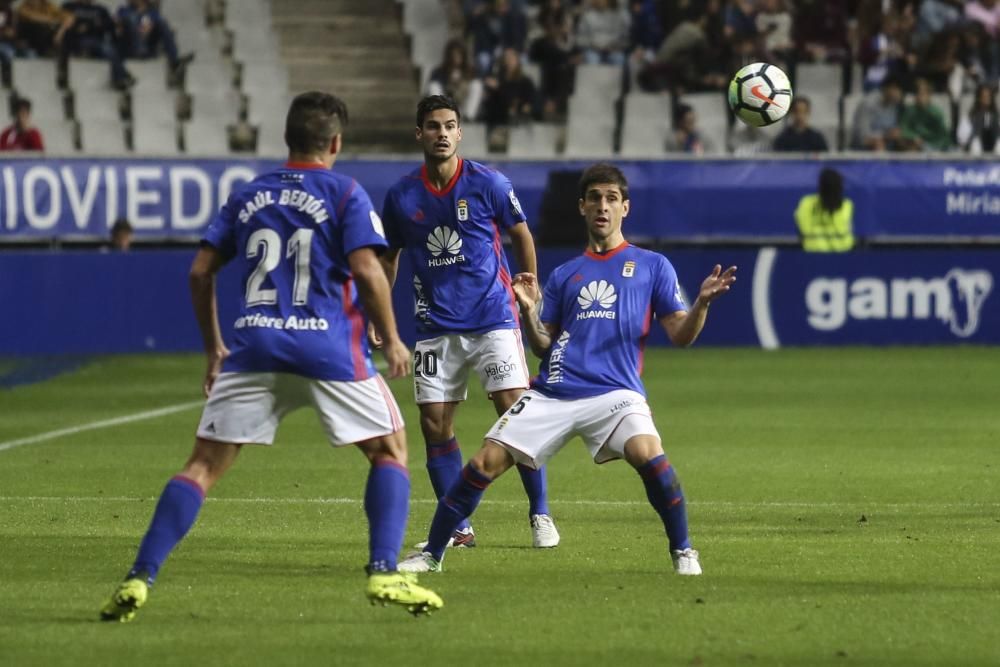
(955, 299)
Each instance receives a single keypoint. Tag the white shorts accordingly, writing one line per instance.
(441, 365)
(537, 426)
(246, 408)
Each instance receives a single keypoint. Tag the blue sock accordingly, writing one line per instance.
(175, 513)
(444, 465)
(537, 488)
(453, 508)
(664, 492)
(387, 504)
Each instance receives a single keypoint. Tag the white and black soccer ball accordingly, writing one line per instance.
(760, 94)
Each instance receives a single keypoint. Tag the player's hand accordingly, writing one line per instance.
(374, 340)
(397, 358)
(717, 283)
(526, 290)
(213, 367)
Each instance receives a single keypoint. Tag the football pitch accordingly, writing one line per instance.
(846, 504)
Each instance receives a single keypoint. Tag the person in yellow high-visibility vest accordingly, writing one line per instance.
(826, 219)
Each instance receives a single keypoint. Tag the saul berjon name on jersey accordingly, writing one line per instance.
(300, 200)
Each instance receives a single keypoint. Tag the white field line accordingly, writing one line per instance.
(861, 504)
(106, 423)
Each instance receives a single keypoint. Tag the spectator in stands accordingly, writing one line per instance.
(883, 51)
(686, 137)
(93, 35)
(746, 140)
(495, 26)
(774, 25)
(979, 130)
(22, 135)
(121, 235)
(646, 29)
(455, 78)
(510, 96)
(689, 57)
(9, 42)
(43, 26)
(145, 32)
(798, 136)
(986, 13)
(922, 125)
(556, 57)
(820, 31)
(602, 33)
(741, 18)
(876, 120)
(934, 16)
(826, 220)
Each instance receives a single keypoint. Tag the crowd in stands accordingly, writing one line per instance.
(80, 28)
(923, 74)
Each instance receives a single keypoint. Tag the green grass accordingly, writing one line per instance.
(781, 455)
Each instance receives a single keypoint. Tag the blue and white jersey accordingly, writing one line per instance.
(289, 233)
(462, 283)
(603, 306)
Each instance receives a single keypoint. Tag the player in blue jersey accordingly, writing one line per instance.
(449, 215)
(306, 242)
(598, 309)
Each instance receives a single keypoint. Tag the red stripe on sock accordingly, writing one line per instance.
(390, 463)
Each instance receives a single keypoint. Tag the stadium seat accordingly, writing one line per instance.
(474, 140)
(590, 138)
(537, 140)
(96, 103)
(264, 79)
(206, 137)
(254, 46)
(426, 22)
(601, 80)
(224, 103)
(35, 78)
(646, 124)
(59, 136)
(849, 106)
(155, 137)
(815, 79)
(264, 107)
(154, 107)
(710, 108)
(102, 136)
(207, 77)
(150, 75)
(87, 73)
(271, 138)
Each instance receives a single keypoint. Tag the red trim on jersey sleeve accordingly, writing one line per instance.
(503, 274)
(608, 255)
(343, 202)
(357, 331)
(304, 165)
(447, 188)
(646, 323)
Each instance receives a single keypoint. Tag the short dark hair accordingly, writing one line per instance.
(121, 225)
(18, 104)
(314, 119)
(831, 189)
(433, 103)
(803, 100)
(602, 172)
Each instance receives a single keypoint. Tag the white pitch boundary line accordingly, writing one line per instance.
(106, 423)
(595, 503)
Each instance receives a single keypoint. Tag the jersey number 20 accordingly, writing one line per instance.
(267, 243)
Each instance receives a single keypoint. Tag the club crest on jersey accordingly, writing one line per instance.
(596, 298)
(462, 210)
(629, 269)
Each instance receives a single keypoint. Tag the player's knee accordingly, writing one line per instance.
(390, 447)
(492, 460)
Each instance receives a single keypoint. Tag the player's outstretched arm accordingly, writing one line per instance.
(375, 293)
(683, 327)
(524, 248)
(201, 279)
(529, 300)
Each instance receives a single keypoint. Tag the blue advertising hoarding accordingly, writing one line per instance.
(671, 201)
(91, 302)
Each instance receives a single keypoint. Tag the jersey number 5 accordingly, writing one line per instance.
(267, 243)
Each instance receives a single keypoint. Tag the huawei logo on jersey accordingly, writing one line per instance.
(444, 240)
(600, 294)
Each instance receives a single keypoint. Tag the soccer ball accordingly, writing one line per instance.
(760, 94)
